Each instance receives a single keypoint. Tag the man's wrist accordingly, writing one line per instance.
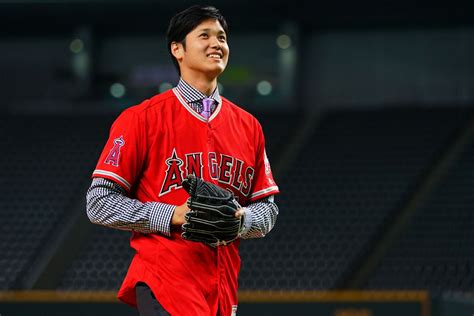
(160, 219)
(247, 224)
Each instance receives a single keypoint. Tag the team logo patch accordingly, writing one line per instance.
(268, 169)
(114, 153)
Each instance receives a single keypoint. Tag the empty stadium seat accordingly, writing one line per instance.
(436, 249)
(358, 169)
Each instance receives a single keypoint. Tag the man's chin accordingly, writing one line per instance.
(215, 71)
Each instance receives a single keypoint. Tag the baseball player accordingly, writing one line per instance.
(153, 147)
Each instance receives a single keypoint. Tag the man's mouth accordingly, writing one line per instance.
(215, 55)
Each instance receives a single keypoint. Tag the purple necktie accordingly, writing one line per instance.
(206, 107)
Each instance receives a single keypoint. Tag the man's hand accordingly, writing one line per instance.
(178, 215)
(240, 212)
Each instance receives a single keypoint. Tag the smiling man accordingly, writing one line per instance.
(152, 147)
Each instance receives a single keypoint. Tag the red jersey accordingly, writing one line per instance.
(151, 149)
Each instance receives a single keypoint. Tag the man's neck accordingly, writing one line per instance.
(201, 83)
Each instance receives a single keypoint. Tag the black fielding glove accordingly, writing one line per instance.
(212, 217)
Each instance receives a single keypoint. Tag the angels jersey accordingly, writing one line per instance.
(151, 149)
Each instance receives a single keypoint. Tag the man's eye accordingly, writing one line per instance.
(222, 38)
(203, 35)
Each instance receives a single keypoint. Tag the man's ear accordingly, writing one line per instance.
(177, 50)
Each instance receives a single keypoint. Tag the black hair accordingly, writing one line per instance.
(187, 20)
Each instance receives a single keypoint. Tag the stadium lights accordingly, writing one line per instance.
(76, 46)
(165, 86)
(117, 90)
(283, 41)
(264, 87)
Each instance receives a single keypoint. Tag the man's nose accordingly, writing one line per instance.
(215, 42)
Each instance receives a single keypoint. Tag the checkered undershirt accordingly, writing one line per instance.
(108, 204)
(194, 97)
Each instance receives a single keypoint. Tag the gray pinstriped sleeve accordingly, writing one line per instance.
(260, 217)
(108, 205)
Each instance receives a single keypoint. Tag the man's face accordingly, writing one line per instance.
(206, 50)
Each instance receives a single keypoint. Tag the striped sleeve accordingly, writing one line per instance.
(260, 217)
(108, 205)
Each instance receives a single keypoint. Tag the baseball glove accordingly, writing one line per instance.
(211, 219)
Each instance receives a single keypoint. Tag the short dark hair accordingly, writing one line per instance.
(187, 20)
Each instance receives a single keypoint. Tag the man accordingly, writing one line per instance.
(152, 147)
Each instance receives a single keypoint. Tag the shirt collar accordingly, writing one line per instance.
(192, 95)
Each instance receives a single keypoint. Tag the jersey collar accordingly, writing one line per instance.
(190, 96)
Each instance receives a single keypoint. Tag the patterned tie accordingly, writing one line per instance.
(206, 107)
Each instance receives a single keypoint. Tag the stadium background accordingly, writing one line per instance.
(368, 113)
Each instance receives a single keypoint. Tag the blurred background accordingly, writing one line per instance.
(368, 112)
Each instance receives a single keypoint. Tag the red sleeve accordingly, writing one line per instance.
(263, 183)
(123, 155)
